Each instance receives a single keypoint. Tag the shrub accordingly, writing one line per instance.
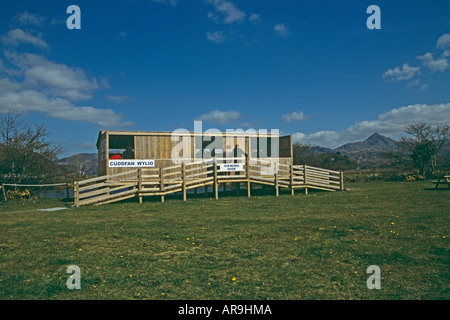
(16, 194)
(414, 176)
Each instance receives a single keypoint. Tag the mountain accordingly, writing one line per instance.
(82, 164)
(368, 152)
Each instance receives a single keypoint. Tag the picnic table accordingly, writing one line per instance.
(441, 180)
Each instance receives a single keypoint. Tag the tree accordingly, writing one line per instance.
(303, 153)
(25, 154)
(423, 144)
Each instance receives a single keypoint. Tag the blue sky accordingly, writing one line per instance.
(310, 69)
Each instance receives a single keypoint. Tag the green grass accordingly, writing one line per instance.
(291, 247)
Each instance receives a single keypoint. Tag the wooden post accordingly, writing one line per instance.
(183, 169)
(4, 192)
(305, 179)
(292, 178)
(216, 184)
(67, 191)
(342, 180)
(247, 169)
(276, 179)
(140, 184)
(76, 194)
(161, 185)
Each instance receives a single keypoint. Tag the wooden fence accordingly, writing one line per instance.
(203, 173)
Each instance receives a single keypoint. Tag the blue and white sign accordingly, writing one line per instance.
(125, 163)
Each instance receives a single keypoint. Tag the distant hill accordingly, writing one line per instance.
(83, 164)
(368, 152)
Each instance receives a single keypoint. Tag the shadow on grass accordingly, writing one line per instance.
(436, 190)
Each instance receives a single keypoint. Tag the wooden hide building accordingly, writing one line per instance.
(157, 148)
(140, 164)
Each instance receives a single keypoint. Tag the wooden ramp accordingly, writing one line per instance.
(203, 173)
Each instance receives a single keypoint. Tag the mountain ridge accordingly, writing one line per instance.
(367, 152)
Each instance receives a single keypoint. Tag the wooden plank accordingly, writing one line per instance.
(222, 177)
(262, 182)
(183, 169)
(283, 183)
(106, 198)
(76, 191)
(93, 193)
(322, 169)
(196, 175)
(169, 188)
(200, 184)
(305, 177)
(271, 180)
(178, 166)
(150, 183)
(115, 200)
(291, 171)
(82, 182)
(4, 192)
(92, 186)
(172, 173)
(320, 188)
(216, 183)
(316, 184)
(276, 182)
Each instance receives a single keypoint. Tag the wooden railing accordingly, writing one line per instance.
(203, 173)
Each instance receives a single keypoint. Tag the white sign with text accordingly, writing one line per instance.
(124, 163)
(231, 167)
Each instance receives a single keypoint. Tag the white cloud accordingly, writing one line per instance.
(27, 18)
(218, 116)
(406, 72)
(254, 18)
(229, 11)
(435, 65)
(415, 82)
(293, 116)
(217, 36)
(443, 41)
(54, 78)
(16, 36)
(390, 124)
(281, 29)
(27, 101)
(118, 99)
(32, 83)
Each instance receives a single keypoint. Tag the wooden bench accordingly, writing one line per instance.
(442, 180)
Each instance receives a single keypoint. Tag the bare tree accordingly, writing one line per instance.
(423, 144)
(26, 156)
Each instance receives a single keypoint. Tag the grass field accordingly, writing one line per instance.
(264, 247)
